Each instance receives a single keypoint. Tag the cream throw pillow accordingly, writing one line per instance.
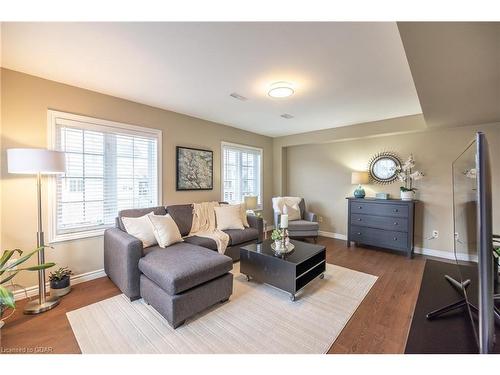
(140, 228)
(165, 230)
(229, 217)
(293, 212)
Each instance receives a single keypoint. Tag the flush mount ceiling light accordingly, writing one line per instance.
(280, 90)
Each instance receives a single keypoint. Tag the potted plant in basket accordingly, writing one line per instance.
(60, 281)
(8, 270)
(408, 175)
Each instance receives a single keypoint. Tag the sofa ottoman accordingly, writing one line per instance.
(184, 279)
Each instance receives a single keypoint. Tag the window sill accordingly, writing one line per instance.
(77, 236)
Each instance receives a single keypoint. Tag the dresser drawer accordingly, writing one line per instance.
(379, 237)
(386, 209)
(382, 222)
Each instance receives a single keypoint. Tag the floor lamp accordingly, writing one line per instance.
(37, 162)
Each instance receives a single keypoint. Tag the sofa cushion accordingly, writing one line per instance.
(140, 227)
(237, 236)
(138, 212)
(183, 266)
(202, 241)
(228, 217)
(302, 225)
(165, 230)
(183, 217)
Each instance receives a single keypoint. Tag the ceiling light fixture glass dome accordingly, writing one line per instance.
(280, 90)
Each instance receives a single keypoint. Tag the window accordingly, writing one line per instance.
(109, 167)
(241, 172)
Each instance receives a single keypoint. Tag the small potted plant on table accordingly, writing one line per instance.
(60, 281)
(277, 237)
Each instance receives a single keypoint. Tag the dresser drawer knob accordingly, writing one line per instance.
(360, 207)
(359, 233)
(395, 238)
(396, 210)
(359, 219)
(396, 223)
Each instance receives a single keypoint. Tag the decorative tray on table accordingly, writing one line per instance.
(287, 249)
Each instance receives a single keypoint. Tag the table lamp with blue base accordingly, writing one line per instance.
(358, 178)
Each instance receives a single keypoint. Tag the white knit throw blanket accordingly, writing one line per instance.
(204, 225)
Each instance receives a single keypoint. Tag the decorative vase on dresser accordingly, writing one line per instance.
(384, 223)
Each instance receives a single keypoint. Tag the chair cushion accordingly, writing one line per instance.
(183, 217)
(237, 236)
(302, 225)
(183, 266)
(202, 241)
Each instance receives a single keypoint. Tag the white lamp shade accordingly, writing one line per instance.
(35, 160)
(359, 178)
(250, 202)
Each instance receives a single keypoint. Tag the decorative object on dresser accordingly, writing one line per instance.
(38, 161)
(288, 272)
(408, 175)
(382, 195)
(381, 223)
(194, 169)
(383, 167)
(358, 178)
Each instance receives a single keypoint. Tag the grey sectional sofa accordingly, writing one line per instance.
(181, 280)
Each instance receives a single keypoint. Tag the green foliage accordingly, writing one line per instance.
(402, 188)
(60, 274)
(276, 235)
(9, 271)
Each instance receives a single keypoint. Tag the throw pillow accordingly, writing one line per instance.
(140, 228)
(228, 217)
(293, 212)
(165, 230)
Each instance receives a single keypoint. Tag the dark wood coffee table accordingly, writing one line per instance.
(289, 272)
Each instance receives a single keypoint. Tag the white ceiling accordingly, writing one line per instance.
(344, 73)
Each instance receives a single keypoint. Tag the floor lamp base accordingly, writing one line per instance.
(34, 307)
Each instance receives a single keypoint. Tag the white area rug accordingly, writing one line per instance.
(257, 319)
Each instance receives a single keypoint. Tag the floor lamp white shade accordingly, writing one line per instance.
(37, 161)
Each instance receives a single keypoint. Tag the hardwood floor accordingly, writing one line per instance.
(380, 324)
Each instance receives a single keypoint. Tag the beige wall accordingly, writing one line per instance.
(25, 101)
(405, 124)
(321, 174)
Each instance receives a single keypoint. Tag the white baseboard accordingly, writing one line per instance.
(75, 279)
(338, 236)
(445, 254)
(418, 250)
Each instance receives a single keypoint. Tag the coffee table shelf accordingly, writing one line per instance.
(289, 272)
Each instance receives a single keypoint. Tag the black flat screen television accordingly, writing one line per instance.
(472, 218)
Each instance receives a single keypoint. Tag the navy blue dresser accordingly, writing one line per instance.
(385, 223)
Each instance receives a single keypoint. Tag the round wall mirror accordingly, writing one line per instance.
(384, 167)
